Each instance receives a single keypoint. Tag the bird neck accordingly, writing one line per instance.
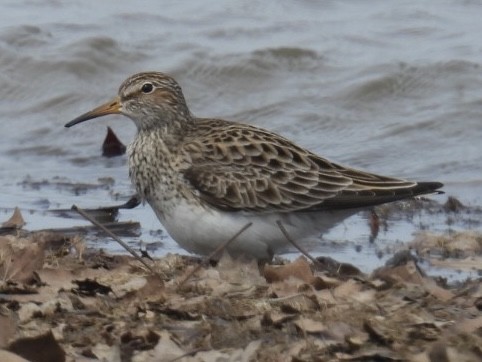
(170, 130)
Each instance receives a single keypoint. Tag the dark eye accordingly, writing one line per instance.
(147, 88)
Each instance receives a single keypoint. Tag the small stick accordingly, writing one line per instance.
(115, 237)
(214, 253)
(295, 244)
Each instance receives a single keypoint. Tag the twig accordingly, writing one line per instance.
(214, 253)
(295, 244)
(115, 237)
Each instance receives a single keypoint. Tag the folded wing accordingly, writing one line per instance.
(241, 167)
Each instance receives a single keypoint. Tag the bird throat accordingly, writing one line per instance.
(153, 166)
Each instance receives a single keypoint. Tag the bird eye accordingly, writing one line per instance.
(147, 88)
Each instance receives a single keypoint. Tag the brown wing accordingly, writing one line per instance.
(241, 167)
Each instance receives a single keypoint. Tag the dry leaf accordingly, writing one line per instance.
(16, 221)
(309, 325)
(407, 273)
(20, 259)
(470, 263)
(469, 325)
(104, 352)
(112, 146)
(42, 348)
(6, 356)
(460, 244)
(299, 269)
(8, 327)
(347, 290)
(438, 292)
(165, 350)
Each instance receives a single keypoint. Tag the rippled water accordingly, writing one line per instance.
(392, 87)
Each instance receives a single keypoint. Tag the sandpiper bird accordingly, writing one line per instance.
(207, 178)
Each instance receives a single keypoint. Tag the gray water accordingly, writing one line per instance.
(391, 87)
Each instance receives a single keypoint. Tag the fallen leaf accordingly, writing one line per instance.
(298, 303)
(309, 325)
(469, 325)
(348, 289)
(42, 348)
(335, 268)
(239, 271)
(459, 244)
(374, 354)
(165, 350)
(112, 146)
(299, 269)
(6, 356)
(407, 273)
(358, 340)
(438, 352)
(453, 205)
(440, 293)
(90, 288)
(468, 264)
(276, 319)
(104, 352)
(16, 221)
(8, 327)
(378, 332)
(20, 258)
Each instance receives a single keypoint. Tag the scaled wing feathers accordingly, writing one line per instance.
(240, 167)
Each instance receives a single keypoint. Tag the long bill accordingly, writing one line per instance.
(112, 107)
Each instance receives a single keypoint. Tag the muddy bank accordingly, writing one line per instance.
(85, 305)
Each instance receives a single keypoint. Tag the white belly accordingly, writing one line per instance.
(201, 230)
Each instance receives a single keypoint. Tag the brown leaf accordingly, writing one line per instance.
(299, 269)
(320, 282)
(16, 221)
(335, 268)
(239, 271)
(309, 325)
(440, 293)
(348, 289)
(42, 348)
(104, 352)
(112, 146)
(276, 319)
(424, 331)
(90, 288)
(469, 325)
(6, 356)
(374, 225)
(468, 264)
(374, 354)
(438, 352)
(460, 244)
(8, 327)
(357, 340)
(165, 350)
(153, 289)
(377, 332)
(407, 273)
(20, 259)
(298, 303)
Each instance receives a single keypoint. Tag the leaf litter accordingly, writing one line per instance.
(62, 302)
